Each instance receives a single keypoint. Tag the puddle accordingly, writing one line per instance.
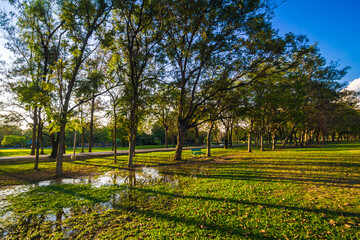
(143, 176)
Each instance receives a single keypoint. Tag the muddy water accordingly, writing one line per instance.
(131, 178)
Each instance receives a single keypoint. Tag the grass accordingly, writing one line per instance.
(47, 151)
(308, 193)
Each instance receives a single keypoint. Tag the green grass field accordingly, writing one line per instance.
(47, 151)
(307, 193)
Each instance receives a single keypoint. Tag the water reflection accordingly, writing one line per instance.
(54, 222)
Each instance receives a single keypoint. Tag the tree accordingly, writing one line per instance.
(136, 56)
(82, 19)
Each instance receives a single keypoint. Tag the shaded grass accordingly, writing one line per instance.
(286, 194)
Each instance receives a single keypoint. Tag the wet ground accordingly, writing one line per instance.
(128, 178)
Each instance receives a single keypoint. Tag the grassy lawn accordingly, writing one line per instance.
(47, 151)
(308, 193)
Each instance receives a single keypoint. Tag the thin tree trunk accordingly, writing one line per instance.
(261, 141)
(132, 134)
(34, 128)
(166, 136)
(36, 167)
(288, 136)
(230, 135)
(115, 142)
(82, 139)
(273, 141)
(208, 140)
(249, 136)
(91, 135)
(41, 138)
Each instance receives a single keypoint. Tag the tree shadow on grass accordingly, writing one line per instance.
(244, 202)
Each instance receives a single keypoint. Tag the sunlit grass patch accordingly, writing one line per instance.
(283, 194)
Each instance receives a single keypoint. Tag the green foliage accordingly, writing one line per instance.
(13, 141)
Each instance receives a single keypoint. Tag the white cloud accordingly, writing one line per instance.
(354, 85)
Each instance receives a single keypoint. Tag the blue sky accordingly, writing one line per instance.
(334, 24)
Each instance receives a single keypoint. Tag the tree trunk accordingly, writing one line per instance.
(132, 134)
(41, 125)
(208, 140)
(290, 134)
(115, 142)
(91, 135)
(60, 152)
(249, 136)
(273, 141)
(36, 167)
(35, 124)
(180, 141)
(82, 139)
(54, 145)
(226, 139)
(230, 135)
(166, 136)
(261, 141)
(196, 136)
(249, 142)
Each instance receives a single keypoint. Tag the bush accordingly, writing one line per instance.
(13, 141)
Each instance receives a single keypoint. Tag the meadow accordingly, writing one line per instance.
(9, 152)
(303, 193)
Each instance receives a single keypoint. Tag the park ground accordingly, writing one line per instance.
(294, 193)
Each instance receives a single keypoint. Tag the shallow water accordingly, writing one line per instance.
(131, 178)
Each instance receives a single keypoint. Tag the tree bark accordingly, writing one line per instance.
(34, 127)
(82, 139)
(288, 136)
(196, 136)
(91, 127)
(249, 136)
(41, 125)
(115, 129)
(261, 141)
(208, 140)
(36, 167)
(166, 136)
(60, 151)
(132, 134)
(273, 140)
(180, 141)
(54, 145)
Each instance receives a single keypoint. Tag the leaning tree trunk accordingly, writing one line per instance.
(180, 141)
(35, 124)
(208, 140)
(289, 136)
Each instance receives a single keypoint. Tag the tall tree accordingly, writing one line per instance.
(136, 54)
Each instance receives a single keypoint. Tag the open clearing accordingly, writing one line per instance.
(285, 194)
